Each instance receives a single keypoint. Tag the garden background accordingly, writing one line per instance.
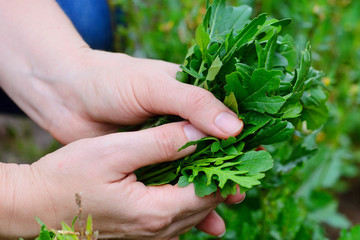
(312, 200)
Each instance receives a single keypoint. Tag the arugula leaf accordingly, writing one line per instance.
(221, 19)
(256, 72)
(253, 94)
(214, 69)
(202, 39)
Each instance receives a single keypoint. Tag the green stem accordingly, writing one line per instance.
(151, 174)
(193, 156)
(202, 68)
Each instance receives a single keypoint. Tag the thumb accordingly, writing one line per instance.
(133, 150)
(192, 103)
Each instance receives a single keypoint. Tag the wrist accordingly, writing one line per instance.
(24, 196)
(14, 217)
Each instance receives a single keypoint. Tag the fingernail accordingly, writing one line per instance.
(223, 234)
(192, 133)
(228, 123)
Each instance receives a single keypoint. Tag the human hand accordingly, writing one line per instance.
(75, 92)
(102, 170)
(105, 91)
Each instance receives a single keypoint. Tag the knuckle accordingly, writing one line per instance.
(200, 98)
(165, 143)
(157, 225)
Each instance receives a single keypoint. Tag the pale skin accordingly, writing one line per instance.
(82, 96)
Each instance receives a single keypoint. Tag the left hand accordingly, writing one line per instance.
(104, 91)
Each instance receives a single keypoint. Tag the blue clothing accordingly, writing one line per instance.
(92, 19)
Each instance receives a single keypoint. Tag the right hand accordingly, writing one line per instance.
(101, 169)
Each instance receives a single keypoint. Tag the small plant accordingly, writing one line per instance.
(68, 232)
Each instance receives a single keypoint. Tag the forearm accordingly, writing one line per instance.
(38, 42)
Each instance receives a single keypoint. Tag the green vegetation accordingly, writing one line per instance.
(295, 201)
(252, 69)
(68, 232)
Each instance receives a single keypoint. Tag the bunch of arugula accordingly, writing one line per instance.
(261, 77)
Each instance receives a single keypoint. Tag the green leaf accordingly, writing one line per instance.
(231, 102)
(202, 188)
(287, 48)
(183, 181)
(227, 142)
(73, 223)
(192, 143)
(352, 234)
(211, 160)
(215, 147)
(315, 116)
(224, 19)
(89, 226)
(283, 22)
(254, 94)
(315, 111)
(65, 227)
(266, 55)
(182, 77)
(44, 232)
(245, 36)
(192, 72)
(245, 71)
(292, 111)
(300, 76)
(278, 132)
(255, 162)
(202, 39)
(214, 69)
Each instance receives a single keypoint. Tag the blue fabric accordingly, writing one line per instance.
(92, 19)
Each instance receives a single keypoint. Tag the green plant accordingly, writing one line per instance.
(67, 232)
(257, 74)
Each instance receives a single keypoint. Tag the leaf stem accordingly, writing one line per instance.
(202, 68)
(151, 174)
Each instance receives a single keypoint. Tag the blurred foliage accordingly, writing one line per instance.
(23, 141)
(294, 202)
(352, 234)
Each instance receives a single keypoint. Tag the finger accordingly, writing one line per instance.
(213, 224)
(182, 201)
(170, 68)
(237, 198)
(133, 150)
(192, 103)
(183, 225)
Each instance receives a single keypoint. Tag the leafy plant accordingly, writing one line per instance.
(257, 74)
(67, 232)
